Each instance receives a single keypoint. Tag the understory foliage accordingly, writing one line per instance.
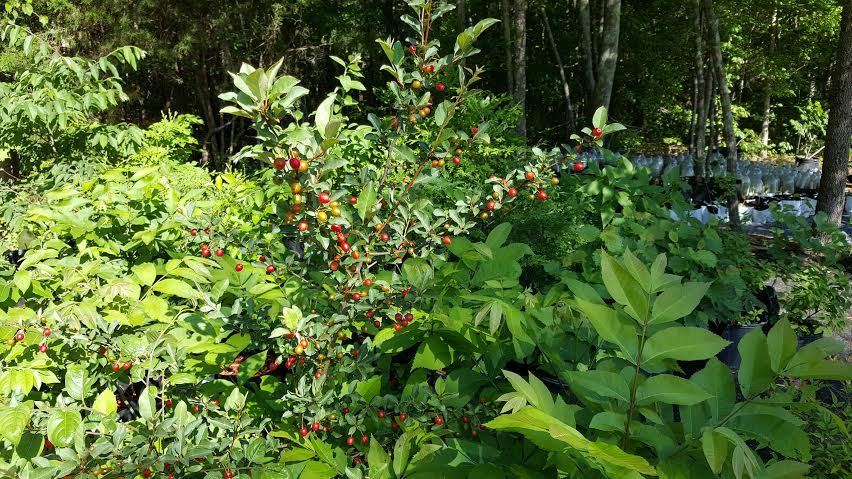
(343, 305)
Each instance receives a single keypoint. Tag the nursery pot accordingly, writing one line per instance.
(734, 333)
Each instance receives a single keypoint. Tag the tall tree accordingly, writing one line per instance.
(725, 98)
(767, 93)
(566, 89)
(835, 165)
(588, 55)
(700, 95)
(520, 62)
(506, 10)
(608, 56)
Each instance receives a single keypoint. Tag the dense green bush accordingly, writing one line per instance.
(349, 302)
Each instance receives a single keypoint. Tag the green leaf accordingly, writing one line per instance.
(677, 301)
(715, 448)
(785, 470)
(682, 344)
(62, 426)
(781, 342)
(255, 451)
(669, 389)
(755, 373)
(148, 402)
(250, 367)
(322, 116)
(599, 118)
(105, 403)
(623, 288)
(417, 272)
(378, 461)
(370, 388)
(366, 201)
(718, 381)
(498, 235)
(433, 353)
(602, 383)
(176, 287)
(611, 327)
(13, 421)
(76, 382)
(146, 273)
(638, 270)
(22, 280)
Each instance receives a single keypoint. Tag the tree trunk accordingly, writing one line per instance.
(507, 41)
(520, 58)
(609, 54)
(835, 165)
(586, 26)
(461, 21)
(725, 97)
(767, 94)
(566, 90)
(702, 96)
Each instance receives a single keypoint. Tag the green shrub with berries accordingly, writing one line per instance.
(349, 302)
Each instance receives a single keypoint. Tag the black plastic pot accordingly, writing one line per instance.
(734, 333)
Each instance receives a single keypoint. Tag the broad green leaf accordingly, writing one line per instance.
(366, 201)
(433, 353)
(781, 342)
(785, 470)
(669, 389)
(718, 381)
(105, 403)
(13, 421)
(677, 301)
(62, 426)
(76, 382)
(175, 287)
(250, 366)
(22, 280)
(755, 374)
(417, 272)
(498, 235)
(715, 448)
(602, 383)
(370, 388)
(608, 421)
(612, 454)
(146, 273)
(638, 270)
(682, 344)
(624, 288)
(378, 461)
(148, 402)
(611, 327)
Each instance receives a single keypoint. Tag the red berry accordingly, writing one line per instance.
(397, 327)
(345, 410)
(353, 200)
(456, 160)
(304, 431)
(324, 197)
(447, 240)
(193, 232)
(377, 323)
(229, 475)
(402, 417)
(239, 267)
(490, 204)
(279, 163)
(542, 195)
(578, 166)
(262, 259)
(384, 236)
(350, 441)
(439, 420)
(356, 296)
(220, 252)
(334, 266)
(315, 426)
(381, 413)
(42, 347)
(270, 269)
(404, 323)
(169, 403)
(465, 419)
(474, 432)
(482, 427)
(409, 317)
(318, 374)
(395, 122)
(440, 87)
(205, 253)
(195, 409)
(207, 230)
(273, 367)
(116, 367)
(474, 130)
(336, 228)
(126, 366)
(303, 226)
(345, 247)
(171, 476)
(365, 439)
(19, 336)
(412, 49)
(512, 192)
(295, 163)
(597, 132)
(46, 332)
(146, 473)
